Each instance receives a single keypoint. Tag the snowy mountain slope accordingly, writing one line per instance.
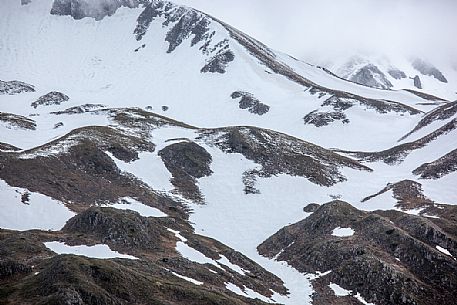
(216, 141)
(108, 71)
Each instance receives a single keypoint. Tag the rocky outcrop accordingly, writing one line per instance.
(320, 119)
(249, 102)
(278, 153)
(9, 268)
(428, 69)
(15, 87)
(97, 9)
(187, 161)
(385, 262)
(408, 193)
(76, 169)
(396, 73)
(51, 98)
(371, 76)
(123, 230)
(441, 113)
(398, 153)
(438, 168)
(79, 109)
(219, 62)
(417, 82)
(6, 146)
(17, 121)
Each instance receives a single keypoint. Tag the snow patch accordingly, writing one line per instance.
(247, 292)
(22, 210)
(193, 281)
(101, 251)
(128, 203)
(338, 290)
(224, 261)
(445, 251)
(342, 232)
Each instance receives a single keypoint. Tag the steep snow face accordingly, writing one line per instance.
(136, 55)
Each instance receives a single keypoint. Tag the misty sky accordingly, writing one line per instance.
(311, 29)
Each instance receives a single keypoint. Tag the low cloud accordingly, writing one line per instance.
(311, 29)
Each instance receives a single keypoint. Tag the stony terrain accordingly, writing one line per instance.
(384, 260)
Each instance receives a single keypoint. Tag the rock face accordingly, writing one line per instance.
(417, 82)
(15, 87)
(51, 98)
(97, 9)
(385, 262)
(371, 76)
(249, 102)
(426, 68)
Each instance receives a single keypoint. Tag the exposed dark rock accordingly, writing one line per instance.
(6, 146)
(218, 63)
(438, 168)
(278, 153)
(75, 169)
(311, 208)
(165, 108)
(398, 153)
(371, 76)
(10, 268)
(443, 112)
(341, 102)
(151, 11)
(51, 98)
(426, 96)
(97, 9)
(15, 87)
(417, 82)
(338, 104)
(125, 230)
(184, 22)
(58, 125)
(320, 119)
(314, 91)
(17, 121)
(187, 161)
(428, 69)
(268, 58)
(387, 263)
(248, 101)
(25, 2)
(69, 279)
(397, 74)
(79, 109)
(189, 23)
(408, 193)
